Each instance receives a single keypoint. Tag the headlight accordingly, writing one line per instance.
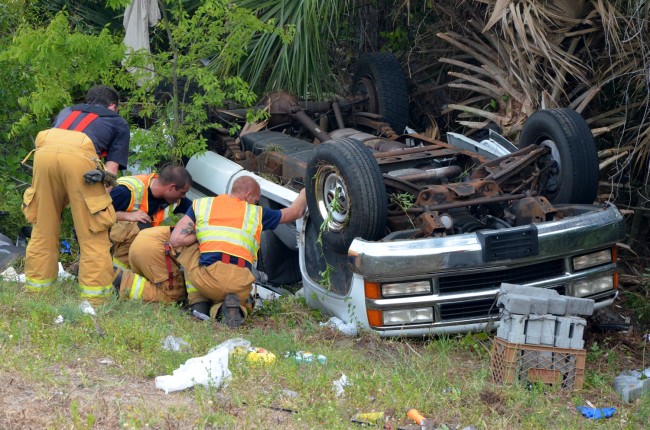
(406, 288)
(591, 260)
(408, 316)
(593, 286)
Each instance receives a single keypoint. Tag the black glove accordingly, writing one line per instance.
(94, 176)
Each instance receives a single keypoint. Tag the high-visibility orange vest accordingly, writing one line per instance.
(139, 187)
(228, 225)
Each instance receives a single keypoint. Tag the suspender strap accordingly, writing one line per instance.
(70, 119)
(90, 117)
(168, 261)
(85, 121)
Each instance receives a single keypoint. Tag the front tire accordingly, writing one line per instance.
(573, 149)
(345, 193)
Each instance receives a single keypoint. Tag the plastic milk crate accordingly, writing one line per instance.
(561, 367)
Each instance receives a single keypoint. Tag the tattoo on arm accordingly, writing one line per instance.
(189, 229)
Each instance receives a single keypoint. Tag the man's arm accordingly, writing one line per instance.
(184, 233)
(135, 216)
(113, 167)
(296, 210)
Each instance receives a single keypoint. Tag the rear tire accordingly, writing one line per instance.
(572, 148)
(380, 77)
(345, 193)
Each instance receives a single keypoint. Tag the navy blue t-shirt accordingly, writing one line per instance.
(270, 220)
(109, 132)
(121, 196)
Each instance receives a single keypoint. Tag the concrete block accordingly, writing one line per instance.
(578, 328)
(539, 305)
(534, 330)
(562, 332)
(507, 288)
(579, 306)
(548, 330)
(515, 303)
(557, 305)
(512, 328)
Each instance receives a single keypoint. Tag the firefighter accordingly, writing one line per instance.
(146, 201)
(221, 236)
(155, 275)
(68, 169)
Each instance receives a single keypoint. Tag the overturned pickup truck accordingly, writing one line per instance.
(410, 236)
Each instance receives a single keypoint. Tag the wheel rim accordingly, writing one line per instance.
(366, 87)
(332, 198)
(554, 180)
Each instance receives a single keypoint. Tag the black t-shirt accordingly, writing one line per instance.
(121, 196)
(109, 132)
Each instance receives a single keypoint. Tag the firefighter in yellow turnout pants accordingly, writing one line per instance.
(221, 236)
(143, 201)
(64, 155)
(155, 275)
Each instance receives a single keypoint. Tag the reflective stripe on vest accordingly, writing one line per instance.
(139, 187)
(228, 225)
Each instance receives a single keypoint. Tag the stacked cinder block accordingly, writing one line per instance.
(539, 338)
(540, 316)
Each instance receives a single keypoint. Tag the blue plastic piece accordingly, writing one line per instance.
(65, 247)
(596, 413)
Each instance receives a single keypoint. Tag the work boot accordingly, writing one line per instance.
(117, 279)
(231, 312)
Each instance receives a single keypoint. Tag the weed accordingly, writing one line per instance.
(405, 202)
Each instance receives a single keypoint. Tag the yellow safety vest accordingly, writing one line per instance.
(228, 225)
(139, 187)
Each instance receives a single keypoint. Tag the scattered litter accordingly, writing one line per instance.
(87, 308)
(59, 320)
(595, 413)
(107, 362)
(200, 315)
(419, 419)
(232, 345)
(349, 329)
(368, 418)
(65, 247)
(630, 384)
(172, 343)
(63, 274)
(340, 384)
(306, 357)
(260, 355)
(210, 370)
(289, 393)
(11, 275)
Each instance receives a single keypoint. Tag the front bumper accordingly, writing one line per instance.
(464, 284)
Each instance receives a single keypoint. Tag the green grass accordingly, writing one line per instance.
(68, 376)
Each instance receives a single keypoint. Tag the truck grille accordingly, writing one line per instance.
(492, 280)
(481, 308)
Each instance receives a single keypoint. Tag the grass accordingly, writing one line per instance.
(67, 376)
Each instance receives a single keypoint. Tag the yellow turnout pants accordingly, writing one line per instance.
(60, 161)
(149, 279)
(212, 283)
(122, 235)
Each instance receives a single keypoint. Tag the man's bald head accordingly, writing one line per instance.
(246, 188)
